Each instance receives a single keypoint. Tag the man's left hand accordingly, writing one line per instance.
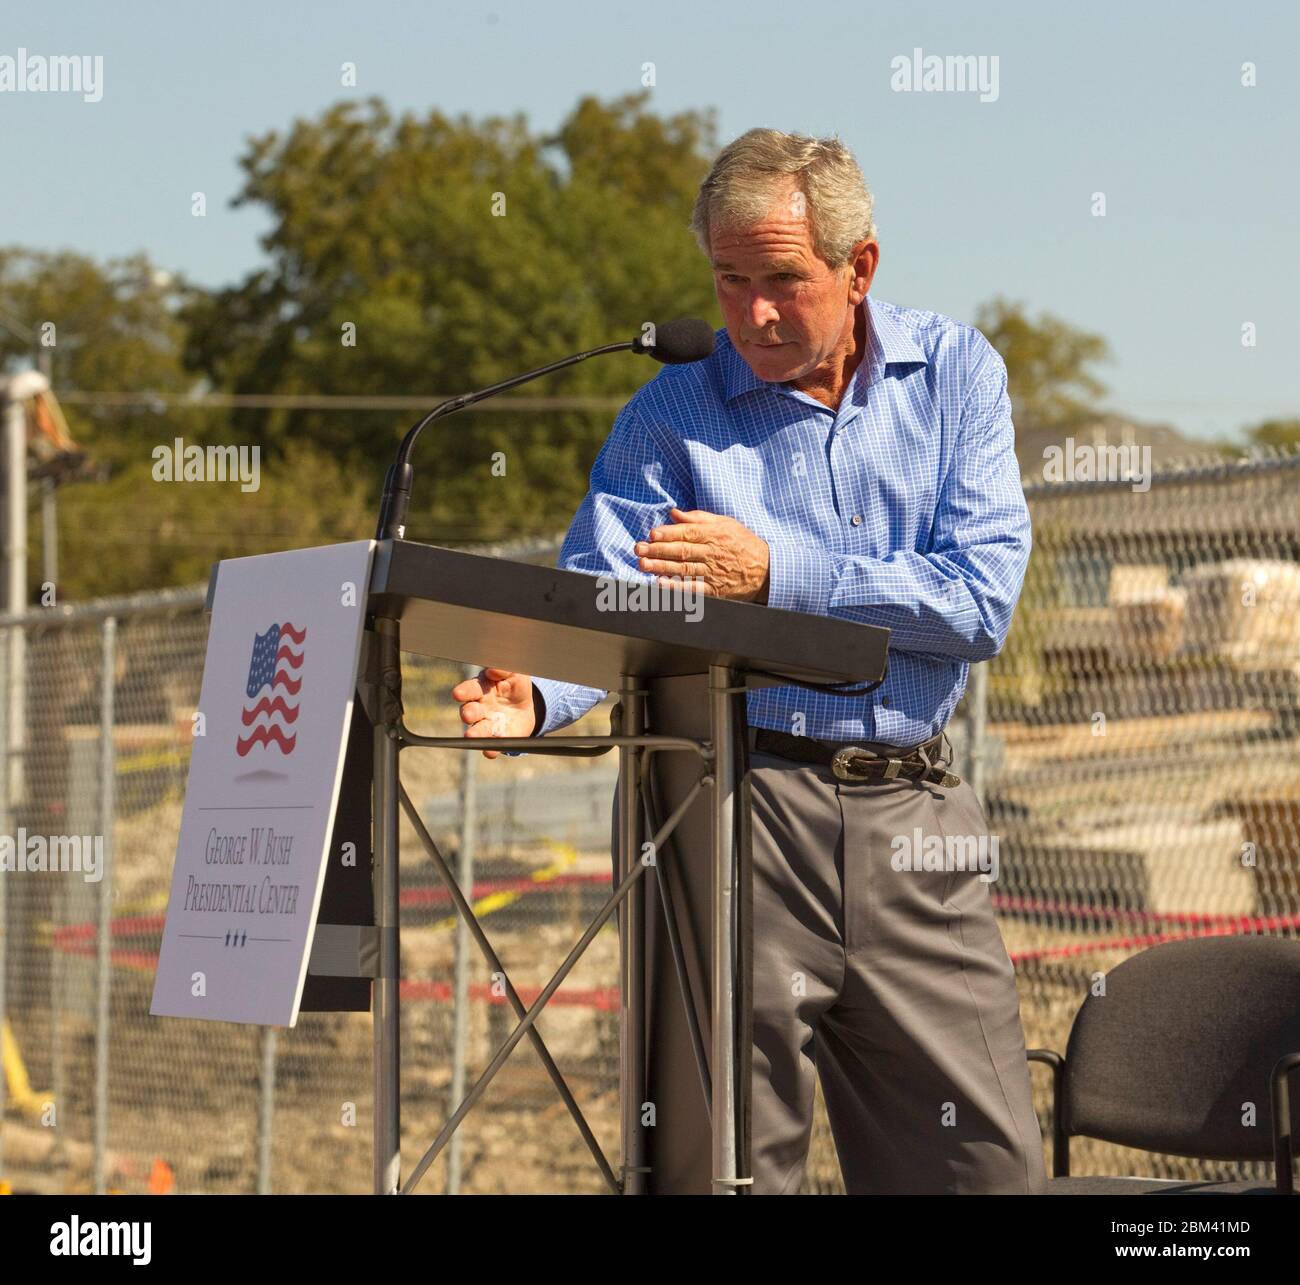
(728, 558)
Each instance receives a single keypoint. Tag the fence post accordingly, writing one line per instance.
(266, 1111)
(103, 962)
(460, 1000)
(15, 557)
(57, 1094)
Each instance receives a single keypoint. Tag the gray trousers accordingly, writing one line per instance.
(891, 985)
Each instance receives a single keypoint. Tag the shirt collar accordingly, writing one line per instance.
(888, 344)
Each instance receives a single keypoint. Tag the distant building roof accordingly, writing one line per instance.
(1167, 445)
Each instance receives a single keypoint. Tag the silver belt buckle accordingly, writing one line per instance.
(843, 760)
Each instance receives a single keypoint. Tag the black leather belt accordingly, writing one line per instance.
(850, 762)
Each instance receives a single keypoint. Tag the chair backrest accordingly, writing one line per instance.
(1179, 1048)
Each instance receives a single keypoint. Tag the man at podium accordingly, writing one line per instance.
(848, 457)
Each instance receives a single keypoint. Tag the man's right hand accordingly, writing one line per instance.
(496, 702)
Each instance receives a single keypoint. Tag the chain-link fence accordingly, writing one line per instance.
(1134, 744)
(1140, 746)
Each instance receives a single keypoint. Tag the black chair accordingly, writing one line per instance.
(1186, 1037)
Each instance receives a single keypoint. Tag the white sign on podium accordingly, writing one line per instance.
(272, 725)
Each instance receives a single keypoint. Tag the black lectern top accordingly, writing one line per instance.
(568, 625)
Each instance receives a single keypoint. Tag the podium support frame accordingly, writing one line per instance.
(386, 1003)
(730, 1107)
(631, 936)
(730, 1090)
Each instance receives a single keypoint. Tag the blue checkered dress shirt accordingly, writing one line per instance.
(902, 508)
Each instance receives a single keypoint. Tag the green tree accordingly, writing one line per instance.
(114, 328)
(1279, 433)
(133, 532)
(1047, 360)
(117, 328)
(461, 253)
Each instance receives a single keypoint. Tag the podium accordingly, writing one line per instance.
(544, 621)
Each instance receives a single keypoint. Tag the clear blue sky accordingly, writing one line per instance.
(1141, 101)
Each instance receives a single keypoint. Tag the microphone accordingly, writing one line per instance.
(677, 342)
(674, 343)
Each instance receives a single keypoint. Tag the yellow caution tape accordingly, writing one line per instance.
(495, 901)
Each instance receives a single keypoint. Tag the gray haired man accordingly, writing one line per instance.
(843, 456)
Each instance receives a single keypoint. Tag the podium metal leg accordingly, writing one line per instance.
(632, 1012)
(730, 1095)
(385, 997)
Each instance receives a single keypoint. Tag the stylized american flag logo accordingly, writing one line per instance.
(270, 699)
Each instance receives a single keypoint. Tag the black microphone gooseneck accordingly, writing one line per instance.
(675, 343)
